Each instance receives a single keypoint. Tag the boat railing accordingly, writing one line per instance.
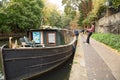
(73, 41)
(2, 62)
(68, 35)
(3, 46)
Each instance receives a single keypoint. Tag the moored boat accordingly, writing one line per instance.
(39, 51)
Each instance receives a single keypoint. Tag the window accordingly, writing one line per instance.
(51, 38)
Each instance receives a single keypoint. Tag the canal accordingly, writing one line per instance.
(62, 72)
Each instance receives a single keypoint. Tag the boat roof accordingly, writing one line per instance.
(43, 29)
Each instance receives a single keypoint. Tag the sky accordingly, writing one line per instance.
(1, 0)
(57, 3)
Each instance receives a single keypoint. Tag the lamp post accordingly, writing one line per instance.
(107, 9)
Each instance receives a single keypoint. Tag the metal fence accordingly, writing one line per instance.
(6, 36)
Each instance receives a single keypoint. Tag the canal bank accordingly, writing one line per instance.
(95, 61)
(78, 69)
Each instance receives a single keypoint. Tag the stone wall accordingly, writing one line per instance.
(109, 24)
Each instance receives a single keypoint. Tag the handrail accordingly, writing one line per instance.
(1, 48)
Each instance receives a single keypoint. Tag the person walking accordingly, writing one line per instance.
(76, 33)
(90, 31)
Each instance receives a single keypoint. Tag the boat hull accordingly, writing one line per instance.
(25, 63)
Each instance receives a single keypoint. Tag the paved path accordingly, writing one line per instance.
(95, 62)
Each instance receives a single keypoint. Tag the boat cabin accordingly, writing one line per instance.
(43, 38)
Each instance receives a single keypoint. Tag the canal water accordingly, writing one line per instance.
(62, 72)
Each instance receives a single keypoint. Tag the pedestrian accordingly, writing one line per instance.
(90, 31)
(76, 33)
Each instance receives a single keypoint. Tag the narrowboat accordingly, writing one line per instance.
(38, 52)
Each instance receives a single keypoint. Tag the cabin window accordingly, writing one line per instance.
(51, 38)
(37, 37)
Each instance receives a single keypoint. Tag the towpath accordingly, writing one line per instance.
(95, 61)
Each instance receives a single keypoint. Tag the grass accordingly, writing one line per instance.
(109, 39)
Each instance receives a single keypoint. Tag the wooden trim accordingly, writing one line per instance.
(42, 37)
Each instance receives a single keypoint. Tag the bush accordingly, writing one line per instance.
(111, 40)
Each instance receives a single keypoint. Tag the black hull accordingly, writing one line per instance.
(25, 63)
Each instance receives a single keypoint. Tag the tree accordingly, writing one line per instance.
(83, 6)
(21, 15)
(48, 11)
(65, 20)
(116, 3)
(53, 17)
(0, 4)
(70, 7)
(4, 2)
